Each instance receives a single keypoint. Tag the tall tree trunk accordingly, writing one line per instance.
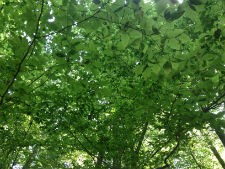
(195, 160)
(217, 155)
(101, 151)
(135, 157)
(220, 133)
(99, 160)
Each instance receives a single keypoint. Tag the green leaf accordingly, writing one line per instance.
(215, 79)
(147, 73)
(174, 33)
(173, 44)
(155, 69)
(223, 57)
(184, 38)
(139, 69)
(134, 34)
(124, 41)
(59, 2)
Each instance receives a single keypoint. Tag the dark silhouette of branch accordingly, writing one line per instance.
(219, 131)
(144, 130)
(32, 44)
(37, 78)
(169, 155)
(158, 149)
(221, 135)
(213, 104)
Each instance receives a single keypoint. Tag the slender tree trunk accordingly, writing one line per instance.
(195, 160)
(217, 155)
(101, 151)
(99, 160)
(135, 159)
(30, 158)
(220, 133)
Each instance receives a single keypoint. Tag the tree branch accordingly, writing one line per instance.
(74, 24)
(213, 104)
(169, 155)
(25, 55)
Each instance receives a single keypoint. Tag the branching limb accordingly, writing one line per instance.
(214, 103)
(169, 155)
(32, 44)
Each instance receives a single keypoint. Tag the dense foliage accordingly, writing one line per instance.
(112, 84)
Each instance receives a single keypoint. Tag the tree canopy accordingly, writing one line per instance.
(119, 84)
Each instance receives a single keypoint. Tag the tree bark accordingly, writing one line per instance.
(221, 135)
(134, 161)
(217, 155)
(99, 159)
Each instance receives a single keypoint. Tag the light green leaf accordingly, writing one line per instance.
(174, 33)
(139, 69)
(173, 43)
(184, 38)
(215, 79)
(156, 69)
(123, 42)
(147, 73)
(59, 2)
(134, 34)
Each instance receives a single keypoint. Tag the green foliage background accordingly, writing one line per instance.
(112, 84)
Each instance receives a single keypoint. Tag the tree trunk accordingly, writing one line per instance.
(134, 161)
(99, 160)
(195, 160)
(217, 155)
(221, 135)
